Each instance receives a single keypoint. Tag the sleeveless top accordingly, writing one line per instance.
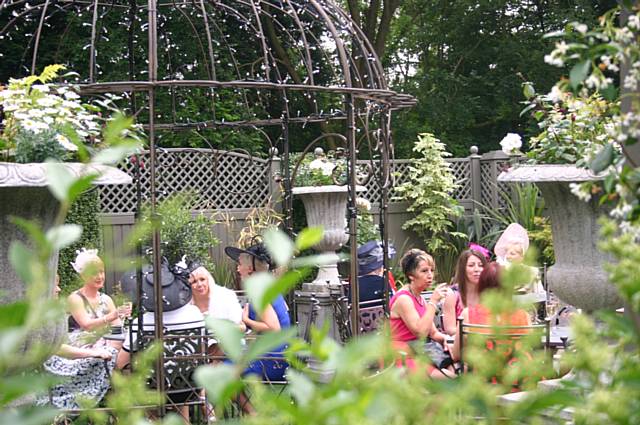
(480, 315)
(282, 311)
(101, 310)
(399, 329)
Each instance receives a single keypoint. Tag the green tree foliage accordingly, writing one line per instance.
(465, 61)
(83, 212)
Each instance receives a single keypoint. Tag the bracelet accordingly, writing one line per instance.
(435, 307)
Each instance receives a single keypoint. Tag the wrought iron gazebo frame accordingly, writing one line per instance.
(317, 30)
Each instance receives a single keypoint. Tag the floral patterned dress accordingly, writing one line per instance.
(84, 380)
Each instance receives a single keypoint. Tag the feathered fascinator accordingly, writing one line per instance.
(83, 258)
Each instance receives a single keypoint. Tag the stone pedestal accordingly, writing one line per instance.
(326, 307)
(578, 276)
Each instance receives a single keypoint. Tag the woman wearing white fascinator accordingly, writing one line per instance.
(511, 248)
(90, 308)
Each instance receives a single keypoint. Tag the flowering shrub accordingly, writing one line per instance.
(597, 55)
(574, 128)
(319, 169)
(44, 120)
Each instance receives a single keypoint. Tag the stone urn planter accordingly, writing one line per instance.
(578, 276)
(326, 206)
(24, 193)
(321, 301)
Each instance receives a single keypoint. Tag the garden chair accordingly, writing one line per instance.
(504, 339)
(371, 315)
(184, 350)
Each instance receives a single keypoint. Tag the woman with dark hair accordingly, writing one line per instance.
(465, 284)
(411, 317)
(479, 314)
(274, 317)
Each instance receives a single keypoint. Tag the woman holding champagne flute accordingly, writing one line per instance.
(90, 308)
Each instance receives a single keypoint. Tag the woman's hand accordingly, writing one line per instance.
(245, 314)
(439, 293)
(101, 353)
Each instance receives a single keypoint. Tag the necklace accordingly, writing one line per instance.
(418, 297)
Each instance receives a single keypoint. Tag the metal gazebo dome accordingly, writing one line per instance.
(220, 68)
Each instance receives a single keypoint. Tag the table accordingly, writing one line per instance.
(114, 337)
(532, 298)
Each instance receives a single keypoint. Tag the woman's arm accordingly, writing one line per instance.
(268, 320)
(71, 352)
(449, 319)
(86, 322)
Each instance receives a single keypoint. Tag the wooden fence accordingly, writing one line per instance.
(230, 184)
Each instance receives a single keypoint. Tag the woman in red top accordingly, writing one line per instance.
(411, 316)
(479, 314)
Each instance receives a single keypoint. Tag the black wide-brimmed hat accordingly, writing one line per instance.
(257, 251)
(176, 290)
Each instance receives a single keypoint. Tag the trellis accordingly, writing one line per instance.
(230, 180)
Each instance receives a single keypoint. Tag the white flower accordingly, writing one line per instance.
(562, 47)
(556, 95)
(66, 143)
(363, 204)
(581, 191)
(634, 22)
(553, 60)
(47, 101)
(43, 88)
(71, 95)
(322, 164)
(34, 126)
(581, 28)
(511, 143)
(592, 81)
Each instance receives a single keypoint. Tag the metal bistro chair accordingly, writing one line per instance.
(501, 336)
(185, 349)
(371, 315)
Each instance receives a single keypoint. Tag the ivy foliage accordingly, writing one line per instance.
(429, 192)
(84, 212)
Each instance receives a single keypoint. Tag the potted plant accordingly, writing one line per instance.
(42, 122)
(578, 131)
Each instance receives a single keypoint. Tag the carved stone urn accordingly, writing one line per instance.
(326, 206)
(24, 193)
(321, 301)
(578, 276)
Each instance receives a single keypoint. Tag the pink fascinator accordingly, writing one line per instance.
(482, 250)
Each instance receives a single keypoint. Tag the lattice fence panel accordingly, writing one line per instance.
(462, 173)
(223, 180)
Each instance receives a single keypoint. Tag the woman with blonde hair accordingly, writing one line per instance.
(89, 308)
(214, 300)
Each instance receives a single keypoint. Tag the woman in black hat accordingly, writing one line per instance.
(273, 318)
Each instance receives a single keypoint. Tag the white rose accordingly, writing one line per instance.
(321, 164)
(511, 143)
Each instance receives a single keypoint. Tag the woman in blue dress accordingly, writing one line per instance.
(274, 318)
